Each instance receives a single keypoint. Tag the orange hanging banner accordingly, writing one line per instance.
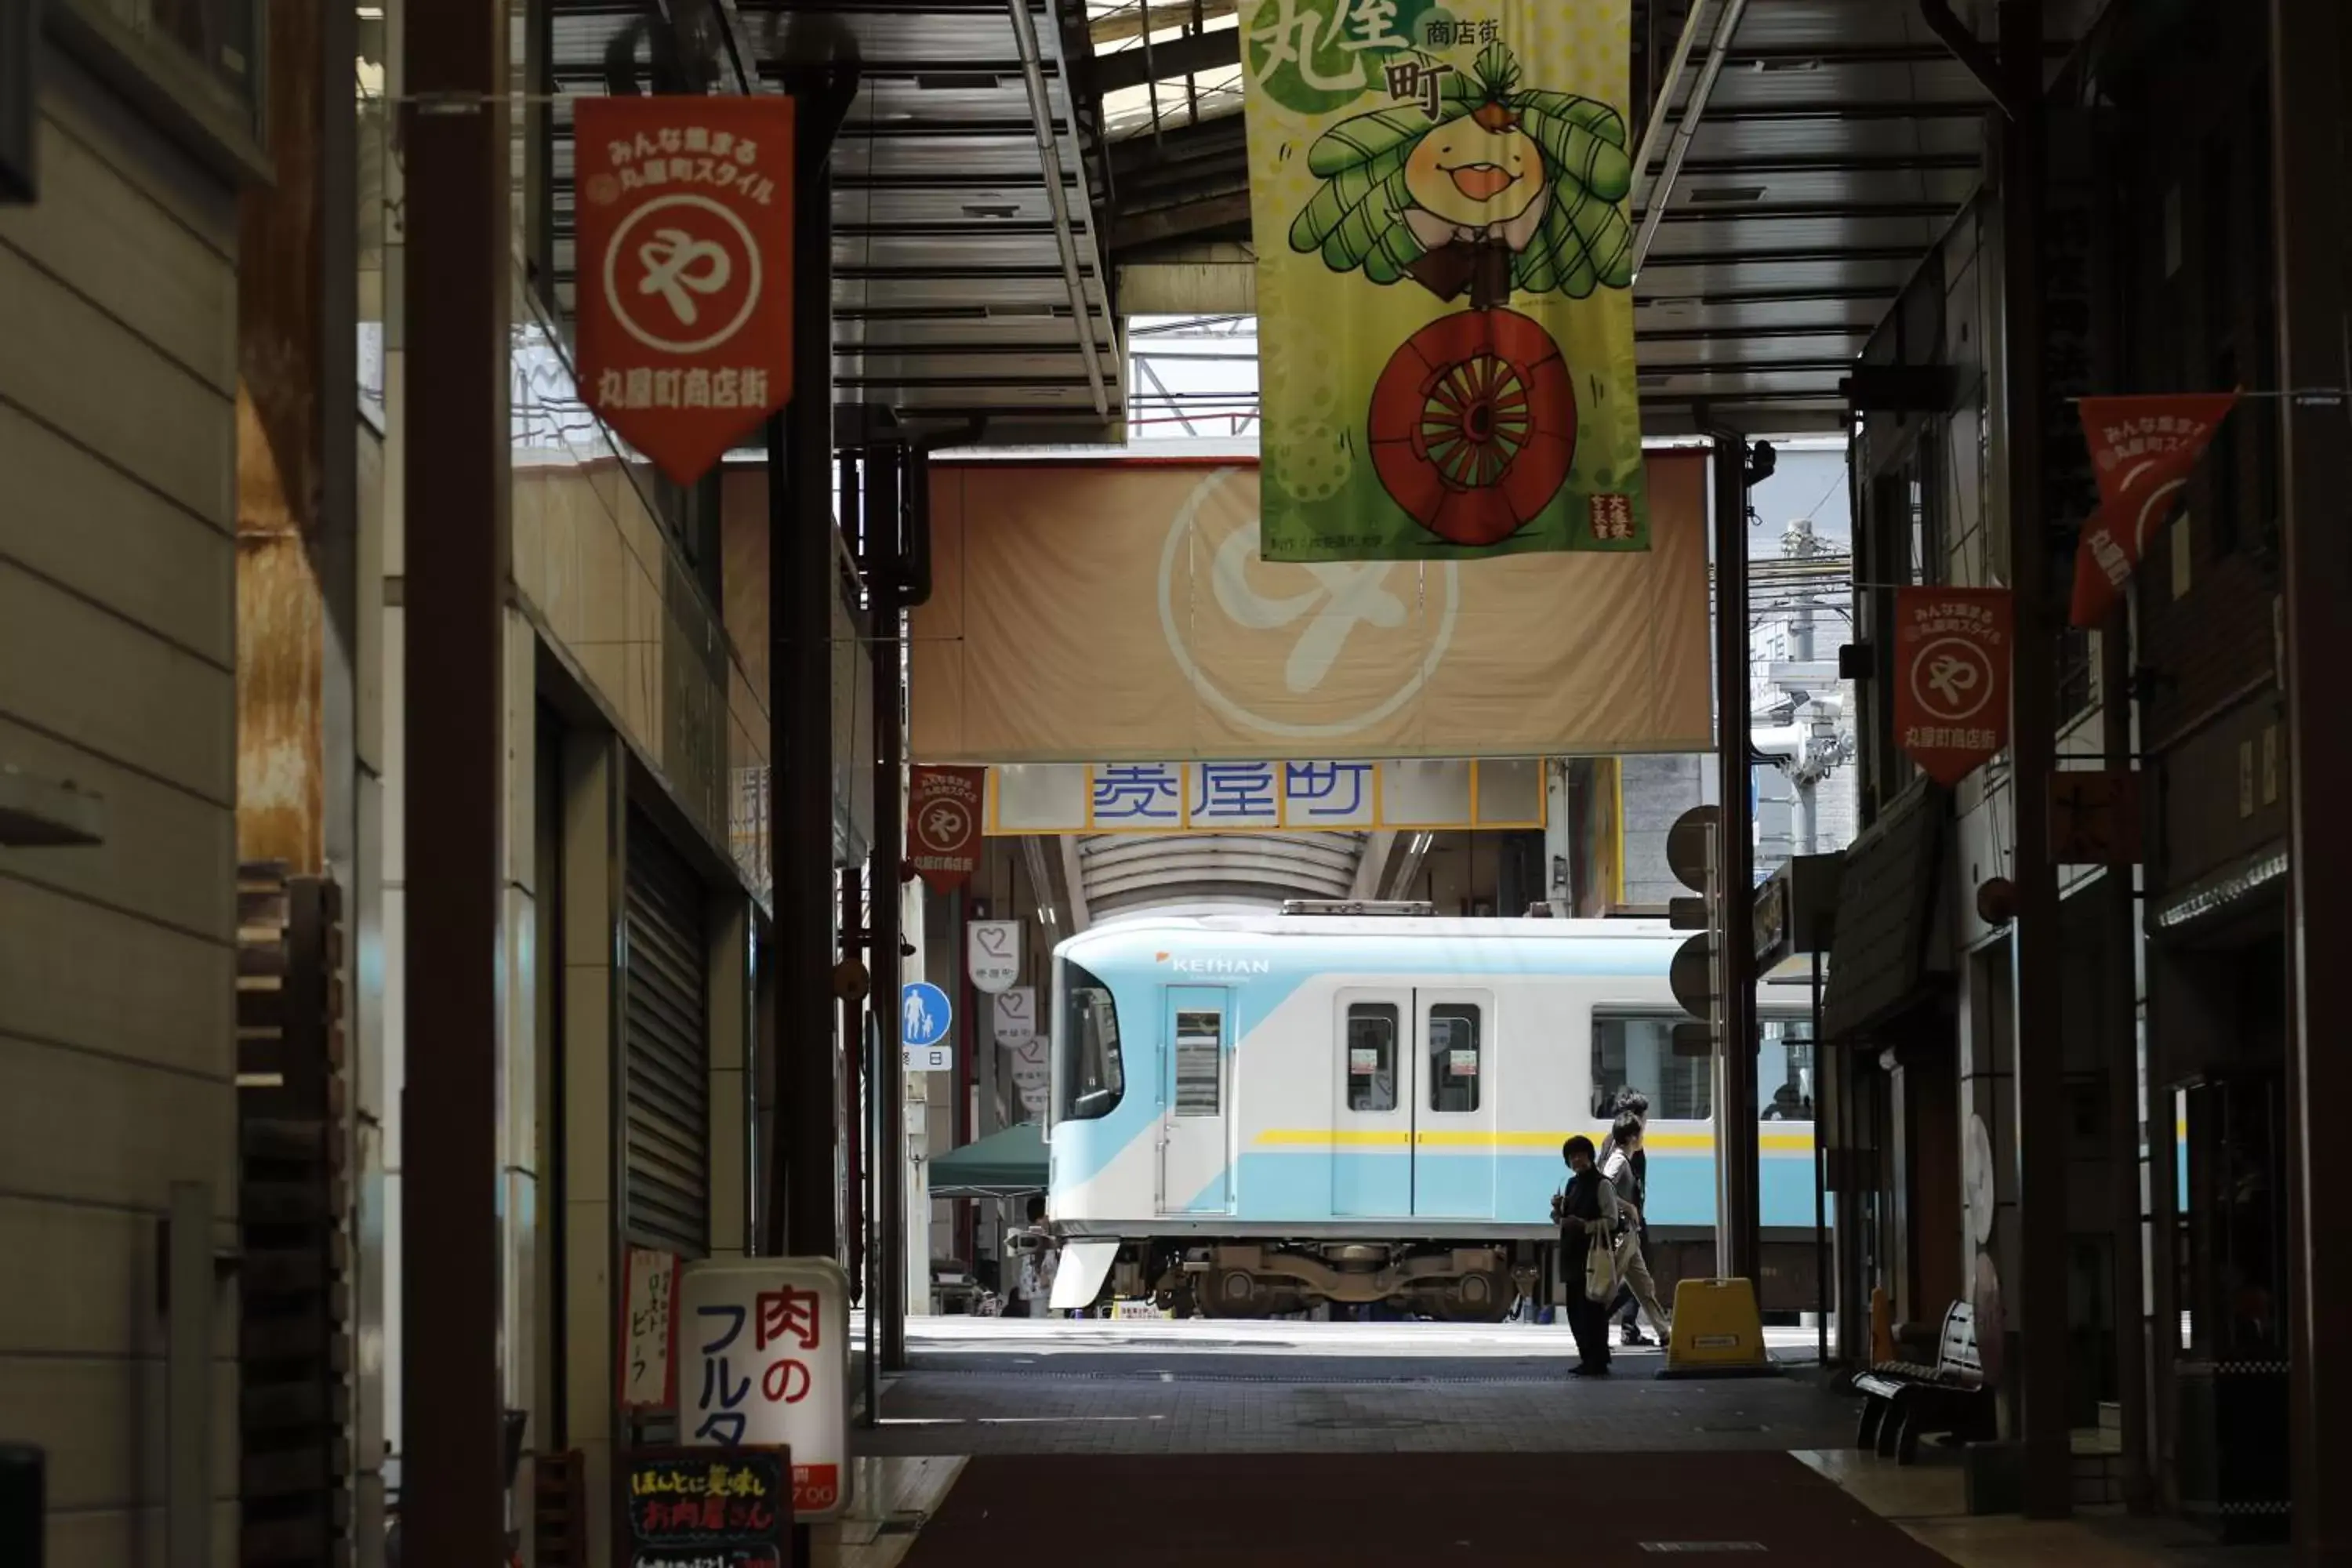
(684, 270)
(1951, 677)
(2143, 449)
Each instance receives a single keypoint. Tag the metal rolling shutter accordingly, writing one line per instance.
(665, 1023)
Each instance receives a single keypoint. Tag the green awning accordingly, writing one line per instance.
(1005, 1164)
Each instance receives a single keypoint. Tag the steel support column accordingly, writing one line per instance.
(2311, 61)
(454, 432)
(852, 1091)
(2118, 1016)
(2036, 1299)
(1738, 1243)
(885, 566)
(802, 586)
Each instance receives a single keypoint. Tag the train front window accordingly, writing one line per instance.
(1453, 1060)
(1088, 1076)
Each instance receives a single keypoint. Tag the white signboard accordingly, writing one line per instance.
(1033, 1100)
(1016, 1016)
(648, 1371)
(765, 1347)
(1030, 1065)
(992, 950)
(928, 1058)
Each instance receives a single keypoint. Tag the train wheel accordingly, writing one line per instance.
(1473, 425)
(1231, 1293)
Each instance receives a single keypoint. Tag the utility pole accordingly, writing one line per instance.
(886, 565)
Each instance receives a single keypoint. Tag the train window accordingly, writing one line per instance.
(1089, 1080)
(1637, 1054)
(1372, 1056)
(1784, 1071)
(1454, 1059)
(1200, 1042)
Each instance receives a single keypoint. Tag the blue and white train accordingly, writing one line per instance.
(1255, 1113)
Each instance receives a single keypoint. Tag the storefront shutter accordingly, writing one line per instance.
(665, 1019)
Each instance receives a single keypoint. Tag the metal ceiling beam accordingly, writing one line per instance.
(1166, 62)
(1803, 212)
(1049, 153)
(1169, 223)
(1653, 125)
(1841, 110)
(1970, 50)
(1222, 50)
(1661, 190)
(1837, 163)
(1712, 297)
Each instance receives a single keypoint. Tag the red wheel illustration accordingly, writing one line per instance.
(1473, 425)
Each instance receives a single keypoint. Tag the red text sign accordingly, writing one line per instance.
(765, 1343)
(2143, 449)
(943, 825)
(1951, 677)
(683, 278)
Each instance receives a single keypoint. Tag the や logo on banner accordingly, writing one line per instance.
(690, 261)
(1338, 602)
(944, 827)
(1951, 677)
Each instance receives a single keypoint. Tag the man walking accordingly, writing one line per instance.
(1634, 1103)
(1638, 1291)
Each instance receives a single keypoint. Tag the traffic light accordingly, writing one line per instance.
(1696, 973)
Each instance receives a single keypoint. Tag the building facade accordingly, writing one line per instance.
(118, 432)
(2157, 267)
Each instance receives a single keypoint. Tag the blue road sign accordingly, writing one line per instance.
(923, 1014)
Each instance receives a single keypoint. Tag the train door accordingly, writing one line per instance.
(1195, 1095)
(1371, 1142)
(1454, 1150)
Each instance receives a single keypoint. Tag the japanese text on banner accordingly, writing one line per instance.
(684, 288)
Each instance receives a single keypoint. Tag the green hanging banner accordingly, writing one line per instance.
(1445, 277)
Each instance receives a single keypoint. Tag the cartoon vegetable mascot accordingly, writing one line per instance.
(1499, 190)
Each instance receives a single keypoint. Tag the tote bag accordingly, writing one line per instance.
(1600, 1269)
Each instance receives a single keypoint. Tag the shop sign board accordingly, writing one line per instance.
(766, 1342)
(690, 1507)
(649, 1330)
(992, 954)
(1015, 1023)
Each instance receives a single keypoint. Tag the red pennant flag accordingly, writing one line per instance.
(1951, 677)
(2143, 449)
(685, 270)
(944, 831)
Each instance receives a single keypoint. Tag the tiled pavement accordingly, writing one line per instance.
(1020, 1391)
